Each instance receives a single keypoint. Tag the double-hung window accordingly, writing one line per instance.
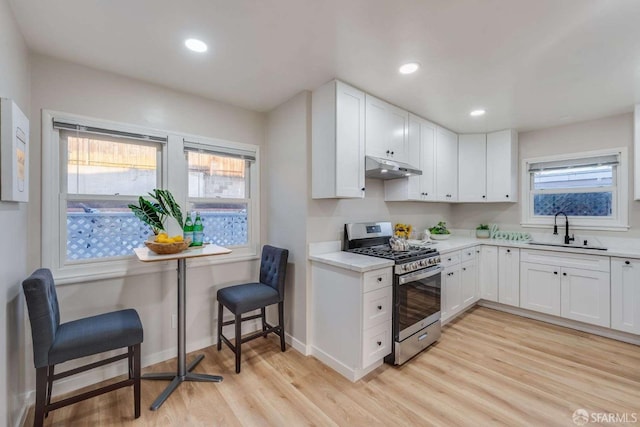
(93, 169)
(221, 186)
(590, 188)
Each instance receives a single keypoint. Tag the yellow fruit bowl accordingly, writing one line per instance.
(167, 248)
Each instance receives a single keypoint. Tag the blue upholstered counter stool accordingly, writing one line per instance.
(240, 299)
(55, 343)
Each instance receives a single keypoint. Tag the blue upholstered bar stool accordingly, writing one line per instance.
(240, 299)
(55, 343)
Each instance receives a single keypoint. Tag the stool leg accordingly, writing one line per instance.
(49, 387)
(219, 325)
(281, 324)
(137, 365)
(238, 343)
(42, 375)
(263, 312)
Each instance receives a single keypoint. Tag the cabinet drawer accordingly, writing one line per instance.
(452, 258)
(561, 259)
(467, 254)
(376, 344)
(377, 279)
(376, 307)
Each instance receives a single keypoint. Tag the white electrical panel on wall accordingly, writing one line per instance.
(14, 153)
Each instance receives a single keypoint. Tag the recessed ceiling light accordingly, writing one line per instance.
(476, 113)
(408, 68)
(196, 45)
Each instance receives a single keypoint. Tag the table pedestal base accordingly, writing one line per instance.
(177, 379)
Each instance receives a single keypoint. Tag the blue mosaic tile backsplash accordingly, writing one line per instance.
(573, 204)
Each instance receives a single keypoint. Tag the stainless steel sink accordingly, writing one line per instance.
(561, 245)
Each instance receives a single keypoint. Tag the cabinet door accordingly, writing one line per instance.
(540, 288)
(502, 166)
(509, 276)
(427, 160)
(376, 134)
(398, 122)
(451, 292)
(349, 141)
(446, 165)
(625, 295)
(488, 273)
(469, 282)
(386, 130)
(337, 141)
(585, 296)
(472, 170)
(414, 183)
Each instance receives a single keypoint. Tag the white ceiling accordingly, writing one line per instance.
(529, 63)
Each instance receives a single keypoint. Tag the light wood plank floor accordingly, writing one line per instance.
(489, 368)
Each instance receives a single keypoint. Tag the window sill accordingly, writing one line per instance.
(574, 226)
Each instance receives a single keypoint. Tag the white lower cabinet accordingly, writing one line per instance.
(488, 273)
(572, 286)
(540, 288)
(459, 282)
(451, 292)
(625, 295)
(509, 276)
(585, 296)
(351, 327)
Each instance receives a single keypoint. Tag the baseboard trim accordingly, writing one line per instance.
(567, 323)
(296, 344)
(344, 370)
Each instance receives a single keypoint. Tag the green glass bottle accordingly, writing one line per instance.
(198, 231)
(188, 228)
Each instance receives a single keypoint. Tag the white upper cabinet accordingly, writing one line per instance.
(446, 165)
(337, 145)
(422, 138)
(386, 130)
(502, 166)
(472, 168)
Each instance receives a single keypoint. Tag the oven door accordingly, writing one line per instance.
(417, 301)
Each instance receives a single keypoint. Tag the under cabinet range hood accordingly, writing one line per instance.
(376, 167)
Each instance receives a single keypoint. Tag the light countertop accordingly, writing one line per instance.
(351, 261)
(363, 263)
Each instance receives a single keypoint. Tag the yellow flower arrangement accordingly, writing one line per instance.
(403, 230)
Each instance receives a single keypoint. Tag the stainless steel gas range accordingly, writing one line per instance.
(416, 287)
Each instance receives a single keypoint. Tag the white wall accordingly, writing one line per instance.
(608, 132)
(327, 217)
(286, 180)
(14, 84)
(63, 86)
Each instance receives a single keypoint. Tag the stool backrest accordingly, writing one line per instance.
(44, 313)
(273, 267)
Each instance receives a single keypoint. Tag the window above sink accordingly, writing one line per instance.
(591, 188)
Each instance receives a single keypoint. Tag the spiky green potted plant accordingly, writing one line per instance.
(155, 210)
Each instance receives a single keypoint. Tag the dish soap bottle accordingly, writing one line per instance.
(198, 231)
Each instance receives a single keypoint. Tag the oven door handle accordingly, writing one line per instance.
(419, 275)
